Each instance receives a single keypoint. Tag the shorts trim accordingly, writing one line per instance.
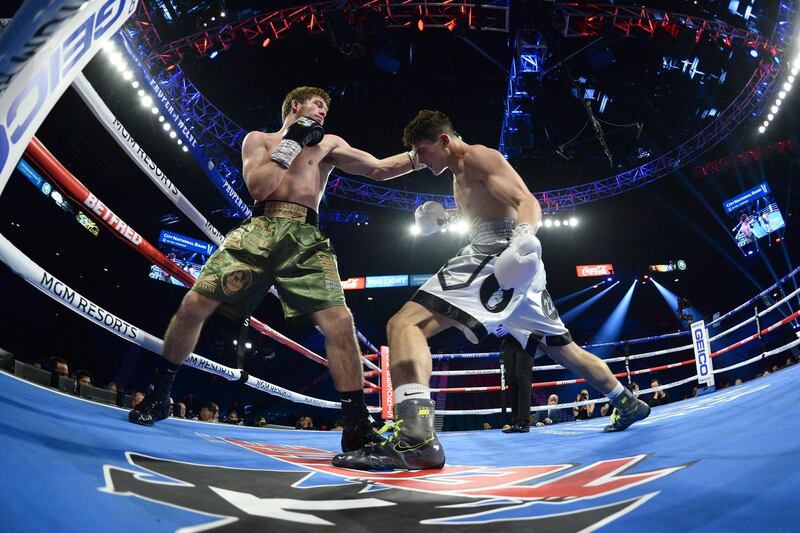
(535, 340)
(441, 306)
(443, 283)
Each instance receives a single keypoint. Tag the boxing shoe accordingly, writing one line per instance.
(413, 444)
(627, 410)
(156, 404)
(359, 433)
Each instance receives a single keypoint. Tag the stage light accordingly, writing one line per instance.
(154, 110)
(770, 116)
(414, 230)
(753, 53)
(140, 92)
(127, 75)
(135, 84)
(761, 129)
(573, 222)
(213, 54)
(222, 14)
(213, 19)
(609, 278)
(778, 101)
(167, 126)
(172, 134)
(787, 86)
(774, 109)
(557, 223)
(548, 223)
(185, 149)
(266, 42)
(421, 25)
(248, 345)
(147, 101)
(795, 70)
(121, 66)
(781, 94)
(766, 123)
(180, 142)
(161, 118)
(108, 46)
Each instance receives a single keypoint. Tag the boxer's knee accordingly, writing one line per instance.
(195, 308)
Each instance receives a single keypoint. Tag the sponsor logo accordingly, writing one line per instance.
(587, 271)
(493, 298)
(301, 488)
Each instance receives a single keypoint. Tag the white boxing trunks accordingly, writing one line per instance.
(466, 290)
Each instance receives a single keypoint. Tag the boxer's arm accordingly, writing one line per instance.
(261, 174)
(361, 163)
(503, 182)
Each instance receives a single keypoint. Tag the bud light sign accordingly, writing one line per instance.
(702, 354)
(588, 271)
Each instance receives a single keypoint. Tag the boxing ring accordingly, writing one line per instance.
(725, 460)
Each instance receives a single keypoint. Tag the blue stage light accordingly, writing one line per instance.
(753, 53)
(213, 54)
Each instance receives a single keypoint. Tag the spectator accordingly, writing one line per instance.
(304, 422)
(136, 398)
(261, 422)
(112, 386)
(233, 418)
(59, 366)
(179, 411)
(659, 397)
(789, 361)
(738, 381)
(553, 415)
(517, 364)
(209, 412)
(487, 425)
(191, 405)
(583, 412)
(83, 377)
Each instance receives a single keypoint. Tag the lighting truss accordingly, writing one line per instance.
(484, 16)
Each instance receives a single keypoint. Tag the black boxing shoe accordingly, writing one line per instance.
(412, 446)
(627, 410)
(359, 434)
(156, 404)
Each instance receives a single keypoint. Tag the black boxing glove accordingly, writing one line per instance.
(304, 132)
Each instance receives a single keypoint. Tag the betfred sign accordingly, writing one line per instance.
(352, 284)
(588, 271)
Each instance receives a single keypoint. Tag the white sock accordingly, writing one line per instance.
(615, 392)
(412, 391)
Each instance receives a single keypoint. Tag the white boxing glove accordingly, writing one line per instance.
(518, 264)
(431, 217)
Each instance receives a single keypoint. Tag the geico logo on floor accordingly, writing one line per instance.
(38, 85)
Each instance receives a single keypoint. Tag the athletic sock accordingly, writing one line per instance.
(412, 391)
(615, 392)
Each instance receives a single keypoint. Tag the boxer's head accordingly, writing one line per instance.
(310, 102)
(430, 135)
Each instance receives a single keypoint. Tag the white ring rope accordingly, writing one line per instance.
(118, 132)
(23, 266)
(760, 314)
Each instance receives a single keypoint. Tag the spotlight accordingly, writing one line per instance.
(213, 19)
(676, 280)
(609, 278)
(180, 142)
(421, 25)
(121, 66)
(557, 223)
(414, 230)
(161, 118)
(788, 85)
(135, 84)
(213, 54)
(574, 222)
(147, 101)
(235, 342)
(753, 53)
(222, 14)
(108, 46)
(185, 149)
(548, 223)
(172, 134)
(154, 110)
(166, 126)
(781, 94)
(795, 70)
(766, 123)
(778, 101)
(774, 109)
(761, 129)
(266, 42)
(140, 92)
(248, 345)
(646, 276)
(770, 116)
(127, 75)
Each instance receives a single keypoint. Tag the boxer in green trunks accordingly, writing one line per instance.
(286, 173)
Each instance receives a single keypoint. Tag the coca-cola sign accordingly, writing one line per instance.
(588, 271)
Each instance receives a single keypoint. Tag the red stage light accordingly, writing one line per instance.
(421, 25)
(266, 42)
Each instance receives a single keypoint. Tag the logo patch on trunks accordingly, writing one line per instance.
(493, 298)
(548, 307)
(236, 278)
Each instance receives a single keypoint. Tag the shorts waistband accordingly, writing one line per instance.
(491, 231)
(296, 212)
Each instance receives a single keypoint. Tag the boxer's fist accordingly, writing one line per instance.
(519, 263)
(304, 132)
(430, 218)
